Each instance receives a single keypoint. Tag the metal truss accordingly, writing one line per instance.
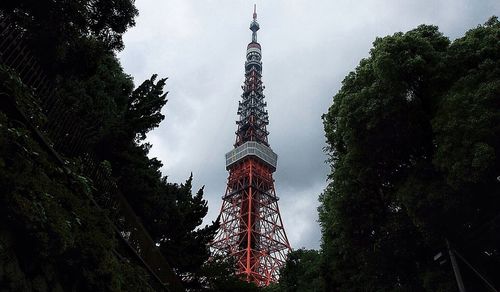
(251, 229)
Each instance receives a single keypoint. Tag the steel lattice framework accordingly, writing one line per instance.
(251, 229)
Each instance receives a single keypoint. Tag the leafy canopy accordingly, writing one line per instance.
(413, 142)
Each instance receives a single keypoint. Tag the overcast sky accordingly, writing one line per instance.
(307, 49)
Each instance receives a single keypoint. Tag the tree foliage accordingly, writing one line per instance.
(301, 273)
(59, 24)
(413, 144)
(51, 236)
(53, 225)
(75, 42)
(219, 274)
(171, 212)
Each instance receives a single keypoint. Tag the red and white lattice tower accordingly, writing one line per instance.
(251, 229)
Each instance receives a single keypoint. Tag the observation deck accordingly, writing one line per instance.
(254, 149)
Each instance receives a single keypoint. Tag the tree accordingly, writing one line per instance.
(169, 211)
(75, 42)
(468, 147)
(55, 25)
(219, 275)
(302, 272)
(399, 174)
(52, 238)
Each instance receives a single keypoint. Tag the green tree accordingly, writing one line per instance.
(52, 238)
(187, 245)
(219, 275)
(56, 25)
(413, 145)
(169, 211)
(302, 272)
(76, 42)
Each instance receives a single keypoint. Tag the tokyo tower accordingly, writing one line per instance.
(251, 229)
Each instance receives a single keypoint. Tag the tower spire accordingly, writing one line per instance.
(251, 229)
(254, 25)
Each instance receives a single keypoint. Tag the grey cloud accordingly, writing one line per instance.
(308, 48)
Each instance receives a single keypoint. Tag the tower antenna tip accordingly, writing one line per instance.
(254, 11)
